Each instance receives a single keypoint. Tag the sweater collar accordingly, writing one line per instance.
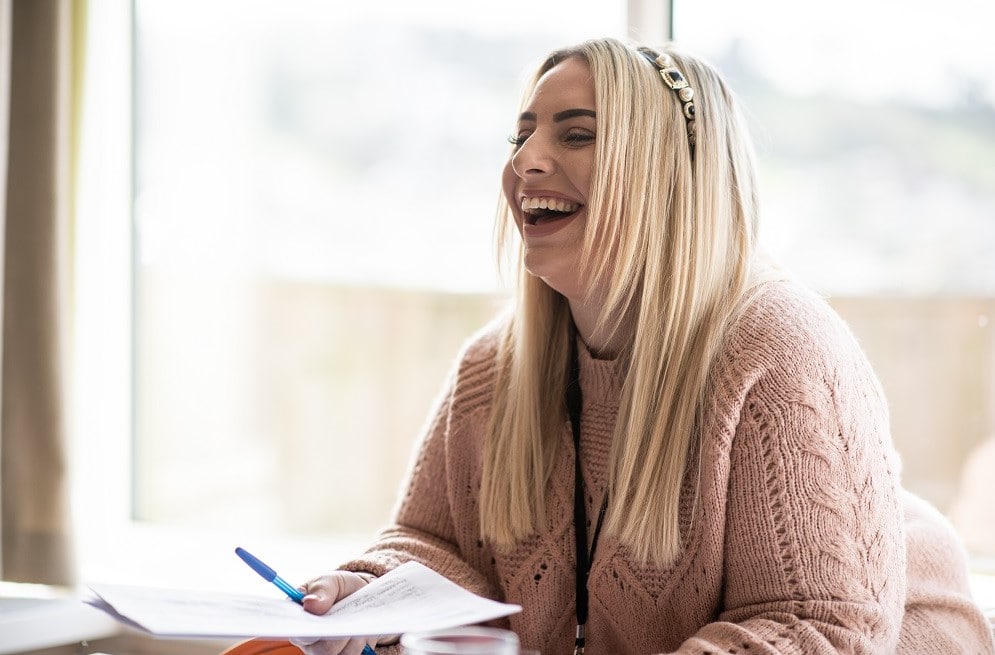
(600, 379)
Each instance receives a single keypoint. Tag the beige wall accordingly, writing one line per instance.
(936, 361)
(333, 384)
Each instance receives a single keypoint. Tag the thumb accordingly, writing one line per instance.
(318, 602)
(329, 589)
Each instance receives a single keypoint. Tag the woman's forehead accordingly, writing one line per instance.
(568, 82)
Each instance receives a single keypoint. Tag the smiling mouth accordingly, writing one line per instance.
(545, 210)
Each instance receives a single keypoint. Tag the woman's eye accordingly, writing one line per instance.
(572, 139)
(517, 139)
(578, 138)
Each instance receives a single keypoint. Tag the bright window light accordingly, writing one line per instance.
(876, 130)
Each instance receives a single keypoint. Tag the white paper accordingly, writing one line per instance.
(410, 598)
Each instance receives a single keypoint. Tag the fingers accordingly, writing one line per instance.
(334, 646)
(302, 643)
(321, 593)
(319, 596)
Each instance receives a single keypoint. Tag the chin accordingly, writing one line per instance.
(561, 276)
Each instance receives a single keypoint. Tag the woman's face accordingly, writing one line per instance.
(547, 180)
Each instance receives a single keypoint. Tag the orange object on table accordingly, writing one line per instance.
(260, 646)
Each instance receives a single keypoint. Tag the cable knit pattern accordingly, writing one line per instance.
(797, 544)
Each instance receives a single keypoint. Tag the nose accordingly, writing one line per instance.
(533, 159)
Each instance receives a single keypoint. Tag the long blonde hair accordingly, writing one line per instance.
(671, 235)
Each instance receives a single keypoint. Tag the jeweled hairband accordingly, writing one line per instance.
(674, 78)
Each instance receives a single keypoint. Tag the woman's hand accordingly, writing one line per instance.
(320, 594)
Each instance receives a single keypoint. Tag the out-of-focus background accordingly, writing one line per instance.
(274, 232)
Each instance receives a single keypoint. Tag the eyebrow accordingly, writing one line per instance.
(560, 115)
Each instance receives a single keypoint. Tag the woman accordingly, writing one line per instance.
(738, 491)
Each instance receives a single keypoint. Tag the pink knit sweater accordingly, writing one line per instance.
(801, 541)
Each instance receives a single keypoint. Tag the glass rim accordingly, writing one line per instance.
(435, 640)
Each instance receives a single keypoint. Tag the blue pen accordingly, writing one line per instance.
(270, 575)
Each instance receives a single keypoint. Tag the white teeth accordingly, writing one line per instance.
(530, 204)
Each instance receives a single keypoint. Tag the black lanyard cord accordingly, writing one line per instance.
(575, 403)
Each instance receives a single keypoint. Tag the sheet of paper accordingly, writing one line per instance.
(410, 598)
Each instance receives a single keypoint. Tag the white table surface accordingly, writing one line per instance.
(32, 618)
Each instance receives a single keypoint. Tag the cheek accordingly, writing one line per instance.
(509, 181)
(584, 174)
(585, 186)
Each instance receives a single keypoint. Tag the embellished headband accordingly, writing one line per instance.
(674, 78)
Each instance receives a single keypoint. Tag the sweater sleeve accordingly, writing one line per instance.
(424, 527)
(940, 614)
(814, 548)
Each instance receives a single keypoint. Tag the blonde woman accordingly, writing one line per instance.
(664, 446)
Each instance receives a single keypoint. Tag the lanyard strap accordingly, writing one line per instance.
(575, 403)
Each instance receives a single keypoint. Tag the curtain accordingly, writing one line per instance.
(34, 472)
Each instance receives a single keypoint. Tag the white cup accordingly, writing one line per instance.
(461, 641)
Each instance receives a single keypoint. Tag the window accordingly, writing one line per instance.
(286, 282)
(876, 132)
(313, 197)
